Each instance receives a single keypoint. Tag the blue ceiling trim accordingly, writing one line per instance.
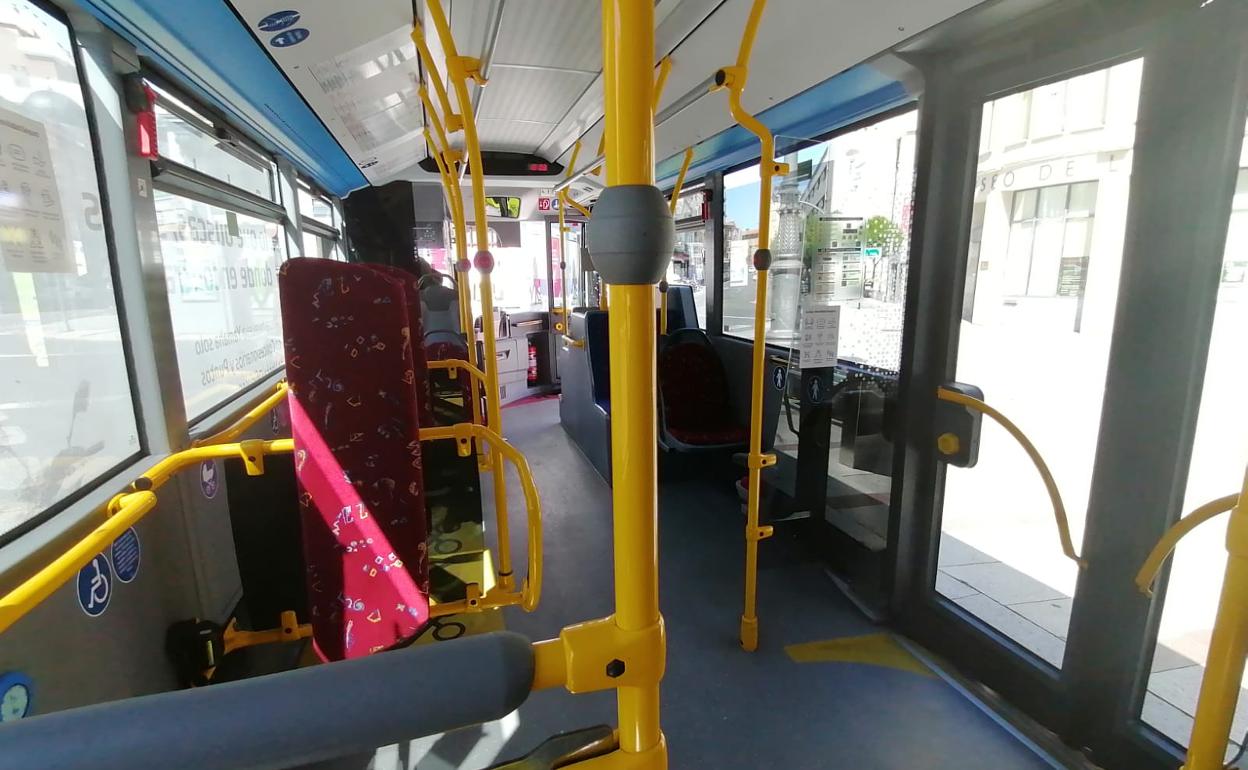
(216, 59)
(853, 95)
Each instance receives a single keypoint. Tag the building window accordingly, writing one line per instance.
(68, 416)
(1050, 241)
(221, 271)
(840, 229)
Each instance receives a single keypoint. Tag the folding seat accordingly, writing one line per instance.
(355, 420)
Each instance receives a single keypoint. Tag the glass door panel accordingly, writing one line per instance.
(1051, 201)
(1219, 455)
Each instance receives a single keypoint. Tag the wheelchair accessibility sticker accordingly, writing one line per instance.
(209, 481)
(95, 586)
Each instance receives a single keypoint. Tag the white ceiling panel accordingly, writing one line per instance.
(541, 95)
(551, 33)
(511, 135)
(355, 69)
(791, 54)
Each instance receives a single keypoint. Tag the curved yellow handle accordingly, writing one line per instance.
(454, 365)
(1152, 565)
(531, 590)
(1055, 496)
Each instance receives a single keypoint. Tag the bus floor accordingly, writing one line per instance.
(721, 707)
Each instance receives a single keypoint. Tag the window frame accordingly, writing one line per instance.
(101, 480)
(174, 178)
(715, 315)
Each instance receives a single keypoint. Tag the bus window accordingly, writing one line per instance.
(68, 414)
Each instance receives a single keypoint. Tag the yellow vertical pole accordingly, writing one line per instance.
(459, 69)
(734, 78)
(1224, 666)
(563, 231)
(628, 65)
(455, 202)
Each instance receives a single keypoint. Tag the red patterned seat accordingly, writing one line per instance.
(693, 389)
(354, 420)
(411, 293)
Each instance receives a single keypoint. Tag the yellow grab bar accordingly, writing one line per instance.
(568, 199)
(122, 512)
(734, 79)
(248, 419)
(454, 364)
(460, 69)
(571, 342)
(660, 80)
(1055, 496)
(680, 179)
(455, 202)
(1145, 578)
(531, 589)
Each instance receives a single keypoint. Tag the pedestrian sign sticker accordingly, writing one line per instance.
(95, 586)
(127, 553)
(778, 377)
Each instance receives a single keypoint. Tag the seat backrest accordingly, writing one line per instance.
(693, 387)
(354, 420)
(682, 312)
(415, 323)
(598, 345)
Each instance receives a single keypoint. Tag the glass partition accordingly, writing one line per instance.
(67, 415)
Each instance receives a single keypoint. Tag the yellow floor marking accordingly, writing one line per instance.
(871, 649)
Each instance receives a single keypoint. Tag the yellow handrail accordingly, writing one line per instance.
(1145, 578)
(455, 202)
(734, 78)
(247, 419)
(122, 512)
(680, 179)
(460, 69)
(660, 80)
(1055, 496)
(584, 211)
(531, 589)
(455, 364)
(1228, 643)
(563, 231)
(572, 342)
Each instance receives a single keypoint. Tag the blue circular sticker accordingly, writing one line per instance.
(209, 481)
(276, 22)
(778, 377)
(17, 696)
(289, 37)
(126, 555)
(95, 586)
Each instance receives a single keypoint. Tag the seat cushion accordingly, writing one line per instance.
(357, 455)
(695, 401)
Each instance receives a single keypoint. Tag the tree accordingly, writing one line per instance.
(882, 233)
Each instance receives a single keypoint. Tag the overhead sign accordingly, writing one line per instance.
(95, 586)
(356, 69)
(276, 22)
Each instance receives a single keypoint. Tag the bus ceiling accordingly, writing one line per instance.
(336, 89)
